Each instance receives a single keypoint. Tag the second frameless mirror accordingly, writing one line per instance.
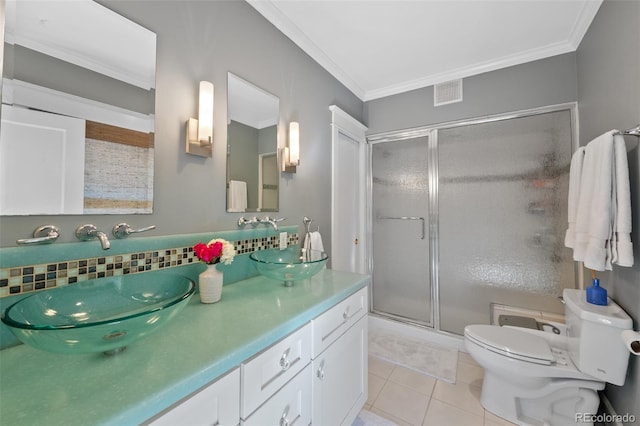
(252, 140)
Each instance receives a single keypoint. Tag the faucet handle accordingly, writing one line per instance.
(268, 219)
(243, 221)
(123, 230)
(44, 234)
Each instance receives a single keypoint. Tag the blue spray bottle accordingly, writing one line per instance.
(596, 295)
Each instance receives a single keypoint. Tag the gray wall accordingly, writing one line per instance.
(545, 82)
(609, 98)
(203, 40)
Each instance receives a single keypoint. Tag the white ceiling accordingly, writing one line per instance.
(378, 48)
(127, 50)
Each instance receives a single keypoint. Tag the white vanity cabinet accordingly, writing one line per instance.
(315, 375)
(216, 404)
(339, 364)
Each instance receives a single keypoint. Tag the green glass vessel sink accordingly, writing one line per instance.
(289, 265)
(100, 315)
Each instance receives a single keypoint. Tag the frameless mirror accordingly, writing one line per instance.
(78, 103)
(252, 140)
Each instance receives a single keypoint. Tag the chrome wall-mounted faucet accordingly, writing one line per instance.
(90, 232)
(267, 219)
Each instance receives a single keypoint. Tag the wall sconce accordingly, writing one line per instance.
(291, 154)
(200, 131)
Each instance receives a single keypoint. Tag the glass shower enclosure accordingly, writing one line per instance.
(471, 215)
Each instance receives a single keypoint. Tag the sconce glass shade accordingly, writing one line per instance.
(199, 133)
(205, 112)
(294, 143)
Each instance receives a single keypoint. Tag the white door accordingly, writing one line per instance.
(348, 231)
(41, 163)
(268, 177)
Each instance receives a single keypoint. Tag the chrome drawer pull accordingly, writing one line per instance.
(284, 362)
(284, 421)
(345, 314)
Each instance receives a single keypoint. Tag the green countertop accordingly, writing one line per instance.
(201, 344)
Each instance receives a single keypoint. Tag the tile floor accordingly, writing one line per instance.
(409, 398)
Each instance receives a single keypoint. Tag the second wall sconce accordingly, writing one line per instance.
(291, 154)
(200, 130)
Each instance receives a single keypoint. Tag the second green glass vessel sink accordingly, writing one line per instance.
(100, 315)
(289, 265)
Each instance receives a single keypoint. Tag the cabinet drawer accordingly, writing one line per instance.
(269, 371)
(290, 406)
(216, 404)
(331, 324)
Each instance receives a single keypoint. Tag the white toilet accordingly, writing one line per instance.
(534, 377)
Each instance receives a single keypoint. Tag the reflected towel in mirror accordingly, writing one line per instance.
(237, 202)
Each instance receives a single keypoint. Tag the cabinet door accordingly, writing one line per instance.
(290, 406)
(216, 404)
(340, 378)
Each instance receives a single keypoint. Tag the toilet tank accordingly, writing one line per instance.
(594, 334)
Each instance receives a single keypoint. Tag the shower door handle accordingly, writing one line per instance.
(406, 218)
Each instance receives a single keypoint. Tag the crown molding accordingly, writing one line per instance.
(587, 13)
(474, 69)
(274, 15)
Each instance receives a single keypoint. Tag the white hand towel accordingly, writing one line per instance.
(621, 243)
(575, 174)
(593, 218)
(316, 241)
(313, 241)
(237, 201)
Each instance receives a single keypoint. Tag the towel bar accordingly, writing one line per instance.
(630, 132)
(405, 218)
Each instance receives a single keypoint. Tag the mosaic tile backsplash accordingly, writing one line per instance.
(33, 277)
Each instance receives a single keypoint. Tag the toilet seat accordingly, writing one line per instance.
(511, 343)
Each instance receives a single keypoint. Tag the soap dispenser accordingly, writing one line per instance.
(596, 295)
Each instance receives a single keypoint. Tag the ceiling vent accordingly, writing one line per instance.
(447, 93)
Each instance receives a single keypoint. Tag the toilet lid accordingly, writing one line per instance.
(511, 342)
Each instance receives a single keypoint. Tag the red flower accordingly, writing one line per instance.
(208, 253)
